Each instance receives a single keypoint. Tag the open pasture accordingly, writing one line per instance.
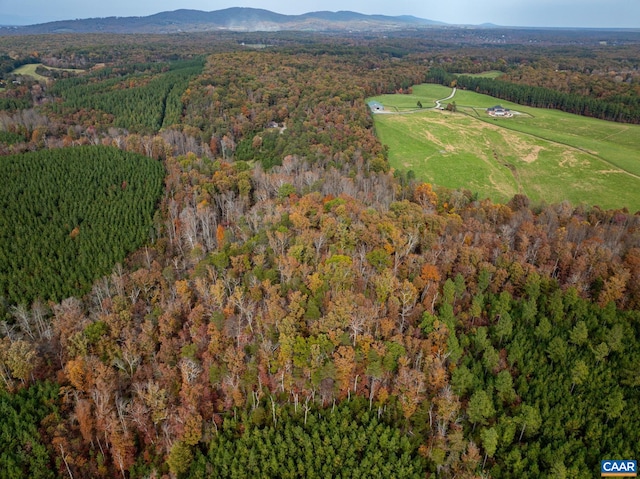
(547, 155)
(488, 74)
(30, 70)
(426, 93)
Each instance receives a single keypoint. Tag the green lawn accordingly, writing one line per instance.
(548, 155)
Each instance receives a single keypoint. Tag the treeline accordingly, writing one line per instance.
(68, 215)
(8, 63)
(620, 81)
(614, 109)
(142, 103)
(87, 51)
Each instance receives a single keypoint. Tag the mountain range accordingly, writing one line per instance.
(230, 19)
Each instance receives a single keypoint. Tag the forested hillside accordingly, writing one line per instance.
(300, 309)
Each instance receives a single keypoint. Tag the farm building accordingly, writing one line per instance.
(498, 110)
(375, 106)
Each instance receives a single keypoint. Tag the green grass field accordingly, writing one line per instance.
(548, 155)
(420, 93)
(489, 74)
(30, 70)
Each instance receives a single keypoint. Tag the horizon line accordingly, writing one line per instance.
(17, 21)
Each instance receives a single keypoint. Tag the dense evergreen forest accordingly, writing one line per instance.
(297, 307)
(70, 214)
(135, 101)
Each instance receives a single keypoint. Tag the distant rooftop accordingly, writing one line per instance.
(497, 107)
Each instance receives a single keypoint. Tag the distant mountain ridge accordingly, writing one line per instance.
(230, 19)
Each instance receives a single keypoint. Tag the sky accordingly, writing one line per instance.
(536, 13)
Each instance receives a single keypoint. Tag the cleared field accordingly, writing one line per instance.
(548, 155)
(489, 74)
(426, 94)
(30, 70)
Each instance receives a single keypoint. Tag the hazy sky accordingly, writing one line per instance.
(553, 13)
